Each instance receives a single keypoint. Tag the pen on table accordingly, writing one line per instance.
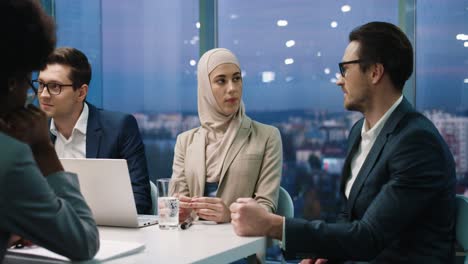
(187, 223)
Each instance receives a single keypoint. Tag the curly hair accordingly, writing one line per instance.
(28, 38)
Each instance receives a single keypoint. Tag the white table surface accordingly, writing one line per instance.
(203, 242)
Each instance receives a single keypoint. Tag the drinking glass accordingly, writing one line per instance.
(168, 204)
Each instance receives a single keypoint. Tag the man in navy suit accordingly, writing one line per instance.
(398, 182)
(80, 130)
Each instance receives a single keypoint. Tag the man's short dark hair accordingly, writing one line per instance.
(80, 69)
(28, 37)
(385, 43)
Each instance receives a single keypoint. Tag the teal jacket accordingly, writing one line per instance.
(49, 211)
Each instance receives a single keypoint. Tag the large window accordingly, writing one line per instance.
(150, 50)
(144, 55)
(289, 53)
(442, 75)
(78, 26)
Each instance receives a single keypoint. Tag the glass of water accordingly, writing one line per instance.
(168, 205)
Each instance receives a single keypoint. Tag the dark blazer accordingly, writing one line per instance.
(114, 135)
(401, 208)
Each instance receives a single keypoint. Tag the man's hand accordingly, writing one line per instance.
(251, 219)
(211, 208)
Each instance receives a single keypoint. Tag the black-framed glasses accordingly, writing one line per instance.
(343, 69)
(52, 87)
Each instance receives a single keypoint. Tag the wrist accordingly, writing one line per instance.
(275, 229)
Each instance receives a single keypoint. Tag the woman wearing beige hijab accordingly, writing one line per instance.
(229, 156)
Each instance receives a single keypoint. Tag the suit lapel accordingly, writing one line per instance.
(53, 138)
(93, 132)
(196, 152)
(239, 140)
(366, 168)
(354, 140)
(376, 149)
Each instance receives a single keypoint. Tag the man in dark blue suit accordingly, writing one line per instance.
(80, 130)
(398, 182)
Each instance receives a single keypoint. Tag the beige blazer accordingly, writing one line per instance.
(252, 167)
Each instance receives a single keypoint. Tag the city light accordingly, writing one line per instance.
(194, 40)
(233, 16)
(345, 8)
(319, 54)
(289, 61)
(289, 78)
(197, 25)
(465, 44)
(326, 70)
(462, 37)
(282, 23)
(268, 76)
(466, 80)
(193, 62)
(333, 80)
(290, 43)
(334, 24)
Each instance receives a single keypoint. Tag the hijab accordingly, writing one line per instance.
(218, 130)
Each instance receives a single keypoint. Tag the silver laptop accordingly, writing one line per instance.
(106, 187)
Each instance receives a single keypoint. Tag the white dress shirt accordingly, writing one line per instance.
(368, 137)
(75, 145)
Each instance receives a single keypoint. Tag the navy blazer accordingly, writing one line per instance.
(114, 135)
(401, 208)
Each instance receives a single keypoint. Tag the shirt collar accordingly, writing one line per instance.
(53, 129)
(375, 130)
(81, 124)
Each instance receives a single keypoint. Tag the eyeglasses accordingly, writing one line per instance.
(343, 69)
(52, 87)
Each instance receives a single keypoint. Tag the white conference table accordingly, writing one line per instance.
(203, 242)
